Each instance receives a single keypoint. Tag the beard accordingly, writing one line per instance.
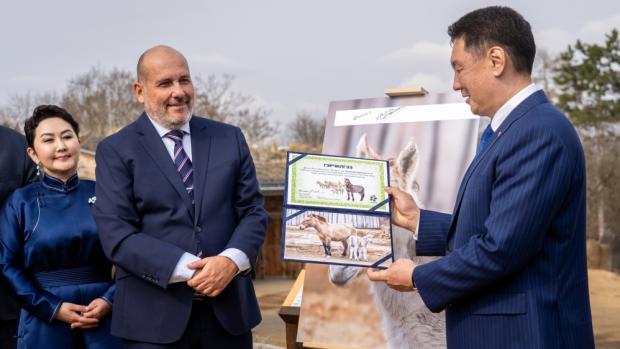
(170, 121)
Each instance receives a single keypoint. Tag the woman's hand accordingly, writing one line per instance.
(73, 314)
(97, 309)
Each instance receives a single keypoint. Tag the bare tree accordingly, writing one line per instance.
(307, 130)
(102, 102)
(20, 107)
(255, 125)
(215, 99)
(543, 73)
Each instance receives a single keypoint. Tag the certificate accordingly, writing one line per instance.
(336, 211)
(337, 182)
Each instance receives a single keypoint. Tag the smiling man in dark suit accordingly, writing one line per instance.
(16, 170)
(180, 213)
(514, 274)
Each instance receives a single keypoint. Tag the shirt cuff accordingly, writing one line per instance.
(417, 228)
(56, 309)
(238, 257)
(181, 272)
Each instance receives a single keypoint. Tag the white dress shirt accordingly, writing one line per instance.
(181, 272)
(505, 110)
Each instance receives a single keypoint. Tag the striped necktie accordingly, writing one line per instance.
(182, 162)
(487, 135)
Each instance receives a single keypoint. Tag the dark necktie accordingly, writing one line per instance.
(487, 135)
(182, 162)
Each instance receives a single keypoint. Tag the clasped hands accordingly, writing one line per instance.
(406, 214)
(83, 316)
(212, 275)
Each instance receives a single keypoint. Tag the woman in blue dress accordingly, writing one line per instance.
(50, 254)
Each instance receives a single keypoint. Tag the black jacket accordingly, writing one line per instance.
(16, 170)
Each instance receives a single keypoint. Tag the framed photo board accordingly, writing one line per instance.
(336, 211)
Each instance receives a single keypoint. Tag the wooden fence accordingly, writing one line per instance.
(269, 263)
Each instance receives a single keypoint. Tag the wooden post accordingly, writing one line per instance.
(406, 91)
(289, 312)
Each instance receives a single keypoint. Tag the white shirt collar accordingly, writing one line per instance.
(505, 110)
(161, 130)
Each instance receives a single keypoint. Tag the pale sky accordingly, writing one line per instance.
(290, 55)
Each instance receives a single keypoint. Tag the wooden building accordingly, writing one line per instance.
(269, 262)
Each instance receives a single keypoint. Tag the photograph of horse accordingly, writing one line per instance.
(330, 237)
(353, 188)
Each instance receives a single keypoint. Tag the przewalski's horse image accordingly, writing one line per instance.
(352, 188)
(407, 323)
(328, 232)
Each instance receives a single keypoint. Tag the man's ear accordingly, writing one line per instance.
(497, 58)
(138, 91)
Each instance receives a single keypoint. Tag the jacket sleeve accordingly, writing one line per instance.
(118, 223)
(249, 234)
(532, 179)
(32, 298)
(432, 233)
(108, 295)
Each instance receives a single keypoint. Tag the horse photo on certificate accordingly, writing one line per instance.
(320, 236)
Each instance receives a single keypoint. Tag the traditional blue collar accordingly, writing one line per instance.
(56, 184)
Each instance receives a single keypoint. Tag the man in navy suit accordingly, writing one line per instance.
(180, 214)
(514, 271)
(16, 170)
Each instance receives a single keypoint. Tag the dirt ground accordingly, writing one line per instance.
(605, 304)
(306, 245)
(345, 318)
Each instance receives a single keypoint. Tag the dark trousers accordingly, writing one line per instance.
(203, 332)
(8, 334)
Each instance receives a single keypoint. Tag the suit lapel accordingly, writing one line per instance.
(155, 148)
(535, 99)
(201, 143)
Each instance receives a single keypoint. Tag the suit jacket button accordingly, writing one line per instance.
(198, 229)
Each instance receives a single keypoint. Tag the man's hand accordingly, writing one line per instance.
(405, 212)
(396, 276)
(216, 274)
(73, 315)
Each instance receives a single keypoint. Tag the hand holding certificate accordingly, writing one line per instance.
(336, 211)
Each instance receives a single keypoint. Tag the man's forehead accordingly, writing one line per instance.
(459, 52)
(455, 56)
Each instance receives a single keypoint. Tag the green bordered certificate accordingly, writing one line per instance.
(336, 182)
